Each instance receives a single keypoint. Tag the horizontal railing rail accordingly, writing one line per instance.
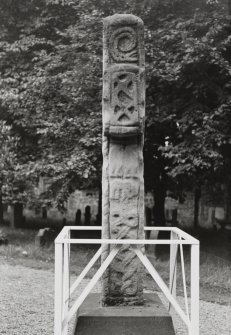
(63, 291)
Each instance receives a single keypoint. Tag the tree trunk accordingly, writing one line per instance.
(159, 218)
(18, 215)
(1, 209)
(158, 210)
(227, 201)
(197, 196)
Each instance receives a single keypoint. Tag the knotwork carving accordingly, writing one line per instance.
(122, 114)
(124, 222)
(124, 99)
(123, 45)
(124, 225)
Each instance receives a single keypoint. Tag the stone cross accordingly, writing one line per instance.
(123, 135)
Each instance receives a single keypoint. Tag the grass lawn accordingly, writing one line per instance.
(215, 266)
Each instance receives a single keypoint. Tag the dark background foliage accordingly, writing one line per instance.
(50, 96)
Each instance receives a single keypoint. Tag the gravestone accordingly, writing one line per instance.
(45, 237)
(3, 239)
(123, 129)
(87, 215)
(78, 218)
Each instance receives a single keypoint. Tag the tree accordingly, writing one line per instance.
(13, 187)
(51, 105)
(189, 92)
(51, 72)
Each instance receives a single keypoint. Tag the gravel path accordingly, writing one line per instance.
(27, 308)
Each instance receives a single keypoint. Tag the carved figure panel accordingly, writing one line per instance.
(124, 190)
(125, 161)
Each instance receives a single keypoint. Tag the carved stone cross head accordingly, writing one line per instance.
(123, 93)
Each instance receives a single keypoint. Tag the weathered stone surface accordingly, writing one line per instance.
(122, 181)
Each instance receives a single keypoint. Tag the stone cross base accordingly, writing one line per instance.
(152, 318)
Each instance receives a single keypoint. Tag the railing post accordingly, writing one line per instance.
(58, 288)
(66, 281)
(173, 266)
(195, 261)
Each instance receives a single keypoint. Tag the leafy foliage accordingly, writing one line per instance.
(13, 183)
(51, 82)
(191, 98)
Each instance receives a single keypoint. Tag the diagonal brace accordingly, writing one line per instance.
(85, 270)
(91, 284)
(162, 285)
(172, 285)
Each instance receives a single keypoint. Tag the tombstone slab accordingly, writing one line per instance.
(45, 237)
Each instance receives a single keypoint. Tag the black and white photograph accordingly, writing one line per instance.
(115, 167)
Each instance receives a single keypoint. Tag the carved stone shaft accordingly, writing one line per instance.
(123, 132)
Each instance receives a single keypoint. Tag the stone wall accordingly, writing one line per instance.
(210, 212)
(82, 199)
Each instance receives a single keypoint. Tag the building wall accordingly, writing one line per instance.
(212, 213)
(209, 214)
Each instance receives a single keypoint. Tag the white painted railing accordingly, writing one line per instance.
(63, 291)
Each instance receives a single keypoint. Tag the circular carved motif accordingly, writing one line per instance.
(123, 45)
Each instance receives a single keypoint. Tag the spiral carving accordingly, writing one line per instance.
(123, 45)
